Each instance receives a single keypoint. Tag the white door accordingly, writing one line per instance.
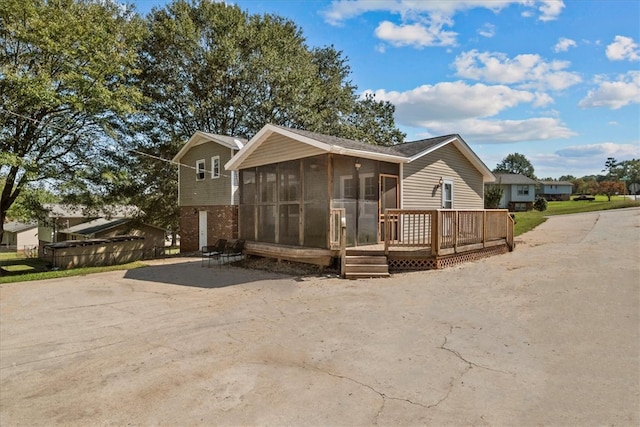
(447, 195)
(202, 228)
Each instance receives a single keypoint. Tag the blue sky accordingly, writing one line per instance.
(557, 81)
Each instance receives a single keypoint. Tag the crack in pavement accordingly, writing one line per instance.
(382, 395)
(470, 363)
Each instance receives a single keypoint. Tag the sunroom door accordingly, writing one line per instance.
(389, 199)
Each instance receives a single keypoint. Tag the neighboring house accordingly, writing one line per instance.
(292, 181)
(61, 216)
(154, 237)
(555, 190)
(207, 193)
(518, 191)
(20, 236)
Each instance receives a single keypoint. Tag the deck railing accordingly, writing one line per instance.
(445, 231)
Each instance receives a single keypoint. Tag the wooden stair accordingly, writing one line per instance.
(360, 266)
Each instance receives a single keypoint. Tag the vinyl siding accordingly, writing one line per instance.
(279, 148)
(422, 175)
(557, 189)
(209, 191)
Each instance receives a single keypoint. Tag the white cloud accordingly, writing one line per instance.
(600, 151)
(550, 9)
(564, 44)
(458, 107)
(417, 35)
(487, 30)
(505, 131)
(423, 22)
(526, 70)
(581, 160)
(623, 48)
(614, 94)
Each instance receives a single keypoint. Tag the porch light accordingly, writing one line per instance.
(358, 164)
(440, 182)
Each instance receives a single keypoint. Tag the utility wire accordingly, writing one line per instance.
(128, 149)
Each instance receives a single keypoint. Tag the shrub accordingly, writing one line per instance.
(540, 204)
(492, 196)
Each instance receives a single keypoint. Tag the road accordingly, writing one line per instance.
(546, 335)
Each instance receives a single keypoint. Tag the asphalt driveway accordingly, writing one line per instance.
(546, 335)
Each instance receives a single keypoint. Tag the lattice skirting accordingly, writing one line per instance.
(432, 263)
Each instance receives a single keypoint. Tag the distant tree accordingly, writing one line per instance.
(610, 188)
(516, 163)
(65, 68)
(568, 178)
(611, 167)
(630, 171)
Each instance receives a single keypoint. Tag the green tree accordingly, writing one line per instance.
(65, 69)
(492, 196)
(610, 188)
(212, 67)
(611, 168)
(516, 163)
(372, 121)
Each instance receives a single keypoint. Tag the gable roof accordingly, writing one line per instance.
(97, 225)
(17, 226)
(401, 153)
(513, 178)
(204, 137)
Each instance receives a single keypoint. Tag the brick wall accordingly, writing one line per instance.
(222, 223)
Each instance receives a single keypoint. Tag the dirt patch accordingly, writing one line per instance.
(285, 267)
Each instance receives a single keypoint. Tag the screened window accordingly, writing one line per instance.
(200, 170)
(215, 167)
(278, 201)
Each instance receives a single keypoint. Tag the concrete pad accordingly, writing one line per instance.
(546, 335)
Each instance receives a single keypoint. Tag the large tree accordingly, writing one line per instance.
(213, 67)
(65, 69)
(516, 163)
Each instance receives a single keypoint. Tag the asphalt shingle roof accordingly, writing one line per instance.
(16, 226)
(513, 178)
(406, 149)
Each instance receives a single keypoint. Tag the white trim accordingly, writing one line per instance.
(400, 183)
(203, 171)
(214, 174)
(235, 162)
(200, 137)
(445, 182)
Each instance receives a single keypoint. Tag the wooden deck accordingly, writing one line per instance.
(413, 240)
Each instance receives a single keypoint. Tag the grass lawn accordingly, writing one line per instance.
(26, 269)
(526, 221)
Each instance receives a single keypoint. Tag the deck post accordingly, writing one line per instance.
(456, 220)
(484, 228)
(343, 246)
(387, 231)
(435, 232)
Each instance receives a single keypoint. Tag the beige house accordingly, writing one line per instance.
(20, 236)
(291, 182)
(207, 193)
